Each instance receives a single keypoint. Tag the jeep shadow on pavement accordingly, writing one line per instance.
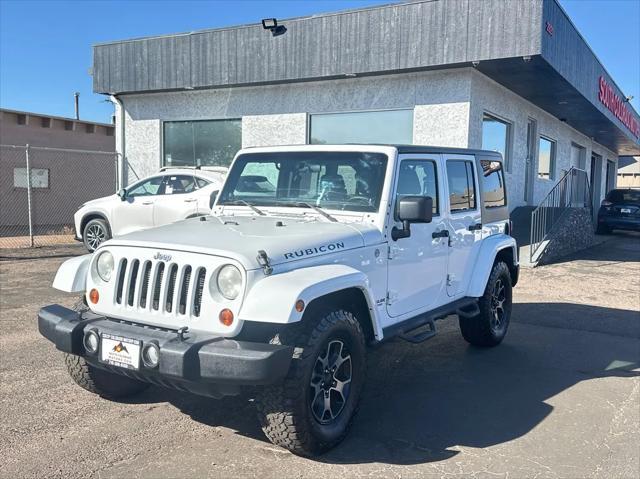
(311, 254)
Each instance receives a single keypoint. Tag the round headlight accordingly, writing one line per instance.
(229, 281)
(104, 265)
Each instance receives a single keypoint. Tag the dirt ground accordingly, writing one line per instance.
(559, 398)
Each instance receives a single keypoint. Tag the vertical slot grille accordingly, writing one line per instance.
(144, 289)
(184, 291)
(121, 276)
(173, 273)
(197, 300)
(135, 265)
(155, 301)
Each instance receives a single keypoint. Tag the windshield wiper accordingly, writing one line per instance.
(315, 208)
(246, 203)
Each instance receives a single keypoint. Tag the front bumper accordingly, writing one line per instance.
(198, 362)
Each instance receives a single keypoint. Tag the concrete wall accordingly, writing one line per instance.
(75, 177)
(490, 97)
(277, 114)
(55, 135)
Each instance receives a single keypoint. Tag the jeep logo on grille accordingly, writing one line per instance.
(162, 257)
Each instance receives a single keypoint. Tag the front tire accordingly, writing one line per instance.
(489, 327)
(101, 382)
(98, 381)
(95, 233)
(312, 410)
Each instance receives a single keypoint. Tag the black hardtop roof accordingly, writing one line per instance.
(407, 149)
(420, 149)
(417, 149)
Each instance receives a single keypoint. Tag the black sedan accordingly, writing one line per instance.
(620, 210)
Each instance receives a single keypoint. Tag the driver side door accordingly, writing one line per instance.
(417, 266)
(135, 212)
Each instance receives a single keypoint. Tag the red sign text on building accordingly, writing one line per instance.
(616, 105)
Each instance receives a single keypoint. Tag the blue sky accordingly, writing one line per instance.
(45, 46)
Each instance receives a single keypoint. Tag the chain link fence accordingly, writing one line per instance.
(41, 188)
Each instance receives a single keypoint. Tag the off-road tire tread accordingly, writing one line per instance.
(281, 408)
(103, 383)
(477, 330)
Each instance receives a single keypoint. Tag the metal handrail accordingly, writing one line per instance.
(571, 191)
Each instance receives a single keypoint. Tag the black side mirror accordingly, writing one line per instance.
(412, 209)
(122, 193)
(212, 198)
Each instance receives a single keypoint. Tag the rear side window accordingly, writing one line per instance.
(201, 183)
(179, 184)
(492, 184)
(462, 186)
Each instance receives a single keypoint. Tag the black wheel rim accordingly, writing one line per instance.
(498, 314)
(331, 382)
(95, 235)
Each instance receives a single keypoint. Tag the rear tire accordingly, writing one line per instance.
(95, 233)
(489, 328)
(312, 410)
(603, 230)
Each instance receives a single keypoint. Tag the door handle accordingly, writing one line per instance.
(475, 227)
(440, 234)
(190, 200)
(147, 202)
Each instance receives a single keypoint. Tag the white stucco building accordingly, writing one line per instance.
(510, 76)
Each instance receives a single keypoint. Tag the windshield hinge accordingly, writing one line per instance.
(263, 260)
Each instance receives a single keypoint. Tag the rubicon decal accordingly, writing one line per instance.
(315, 250)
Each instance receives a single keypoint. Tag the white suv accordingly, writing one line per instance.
(311, 253)
(170, 195)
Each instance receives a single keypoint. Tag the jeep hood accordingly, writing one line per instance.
(241, 237)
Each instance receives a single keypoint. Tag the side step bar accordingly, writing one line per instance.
(420, 337)
(411, 329)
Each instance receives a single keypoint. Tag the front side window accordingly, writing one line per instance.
(493, 195)
(179, 184)
(202, 142)
(389, 126)
(496, 136)
(546, 158)
(462, 186)
(150, 187)
(419, 178)
(350, 181)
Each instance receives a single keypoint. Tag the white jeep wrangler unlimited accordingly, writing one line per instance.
(311, 253)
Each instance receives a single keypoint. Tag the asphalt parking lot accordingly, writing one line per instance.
(559, 398)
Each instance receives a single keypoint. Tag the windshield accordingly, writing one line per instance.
(349, 181)
(624, 196)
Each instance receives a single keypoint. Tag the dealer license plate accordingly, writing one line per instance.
(625, 210)
(120, 351)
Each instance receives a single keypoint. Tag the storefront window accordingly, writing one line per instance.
(546, 158)
(202, 142)
(496, 136)
(389, 126)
